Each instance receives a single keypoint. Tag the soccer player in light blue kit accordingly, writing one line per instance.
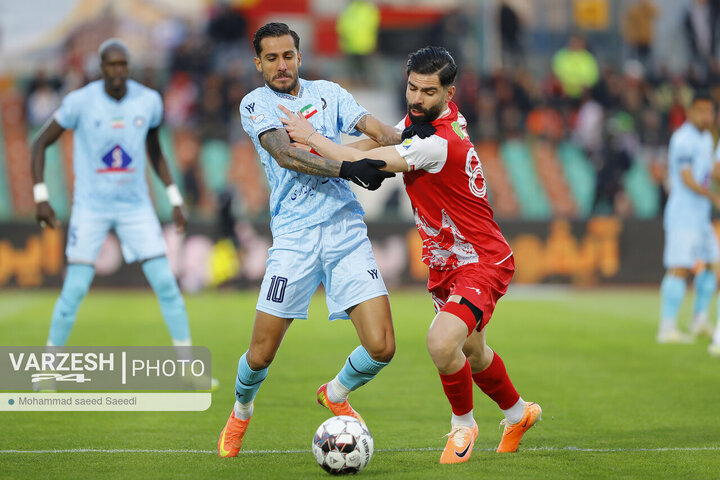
(689, 235)
(114, 121)
(317, 226)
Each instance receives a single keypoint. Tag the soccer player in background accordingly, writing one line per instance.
(470, 262)
(318, 231)
(690, 239)
(115, 120)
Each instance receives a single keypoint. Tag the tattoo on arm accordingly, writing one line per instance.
(385, 136)
(277, 143)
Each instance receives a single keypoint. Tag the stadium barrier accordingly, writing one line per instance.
(597, 251)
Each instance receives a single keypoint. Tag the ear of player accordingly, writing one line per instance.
(422, 130)
(365, 172)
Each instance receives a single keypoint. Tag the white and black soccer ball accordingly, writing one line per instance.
(342, 445)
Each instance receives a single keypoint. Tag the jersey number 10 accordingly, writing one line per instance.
(276, 292)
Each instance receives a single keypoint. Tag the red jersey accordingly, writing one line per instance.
(448, 193)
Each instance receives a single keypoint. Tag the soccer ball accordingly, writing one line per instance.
(342, 445)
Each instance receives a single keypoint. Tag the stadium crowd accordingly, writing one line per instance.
(617, 114)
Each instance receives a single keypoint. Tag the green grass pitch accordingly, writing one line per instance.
(615, 404)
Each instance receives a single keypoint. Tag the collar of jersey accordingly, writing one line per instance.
(287, 95)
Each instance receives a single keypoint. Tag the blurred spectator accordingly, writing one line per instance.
(42, 100)
(450, 32)
(575, 67)
(357, 27)
(511, 36)
(620, 147)
(226, 25)
(588, 131)
(700, 23)
(638, 28)
(180, 97)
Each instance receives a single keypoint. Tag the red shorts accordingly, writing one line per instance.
(481, 284)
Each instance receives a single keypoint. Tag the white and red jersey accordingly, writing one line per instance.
(448, 193)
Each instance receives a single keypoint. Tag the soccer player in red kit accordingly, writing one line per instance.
(471, 263)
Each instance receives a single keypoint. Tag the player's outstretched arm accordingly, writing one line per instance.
(277, 143)
(365, 173)
(381, 133)
(48, 134)
(160, 165)
(302, 131)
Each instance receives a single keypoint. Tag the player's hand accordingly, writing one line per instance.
(179, 219)
(297, 126)
(45, 215)
(422, 130)
(365, 172)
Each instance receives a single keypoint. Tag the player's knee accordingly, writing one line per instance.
(441, 349)
(258, 359)
(163, 283)
(480, 358)
(382, 350)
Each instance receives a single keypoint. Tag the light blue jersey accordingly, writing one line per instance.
(298, 200)
(109, 156)
(689, 147)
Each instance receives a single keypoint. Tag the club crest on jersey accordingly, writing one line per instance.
(116, 160)
(117, 122)
(406, 143)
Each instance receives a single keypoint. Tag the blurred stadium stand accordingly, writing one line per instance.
(547, 154)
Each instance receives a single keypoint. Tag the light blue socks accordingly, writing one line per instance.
(76, 285)
(248, 381)
(161, 279)
(672, 292)
(705, 286)
(359, 369)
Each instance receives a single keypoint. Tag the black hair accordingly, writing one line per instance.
(429, 60)
(702, 95)
(273, 29)
(113, 44)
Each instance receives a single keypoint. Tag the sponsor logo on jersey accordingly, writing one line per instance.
(257, 118)
(250, 108)
(406, 143)
(308, 110)
(116, 160)
(139, 121)
(117, 122)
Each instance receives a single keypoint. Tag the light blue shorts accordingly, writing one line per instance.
(138, 230)
(336, 253)
(684, 247)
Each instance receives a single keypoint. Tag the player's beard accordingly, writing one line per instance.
(428, 115)
(287, 89)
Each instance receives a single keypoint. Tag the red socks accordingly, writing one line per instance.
(458, 389)
(495, 383)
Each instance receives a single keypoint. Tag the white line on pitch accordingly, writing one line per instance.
(426, 449)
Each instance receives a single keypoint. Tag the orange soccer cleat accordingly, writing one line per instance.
(338, 409)
(460, 444)
(513, 433)
(231, 436)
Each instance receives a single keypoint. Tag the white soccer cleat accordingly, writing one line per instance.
(714, 350)
(701, 328)
(674, 336)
